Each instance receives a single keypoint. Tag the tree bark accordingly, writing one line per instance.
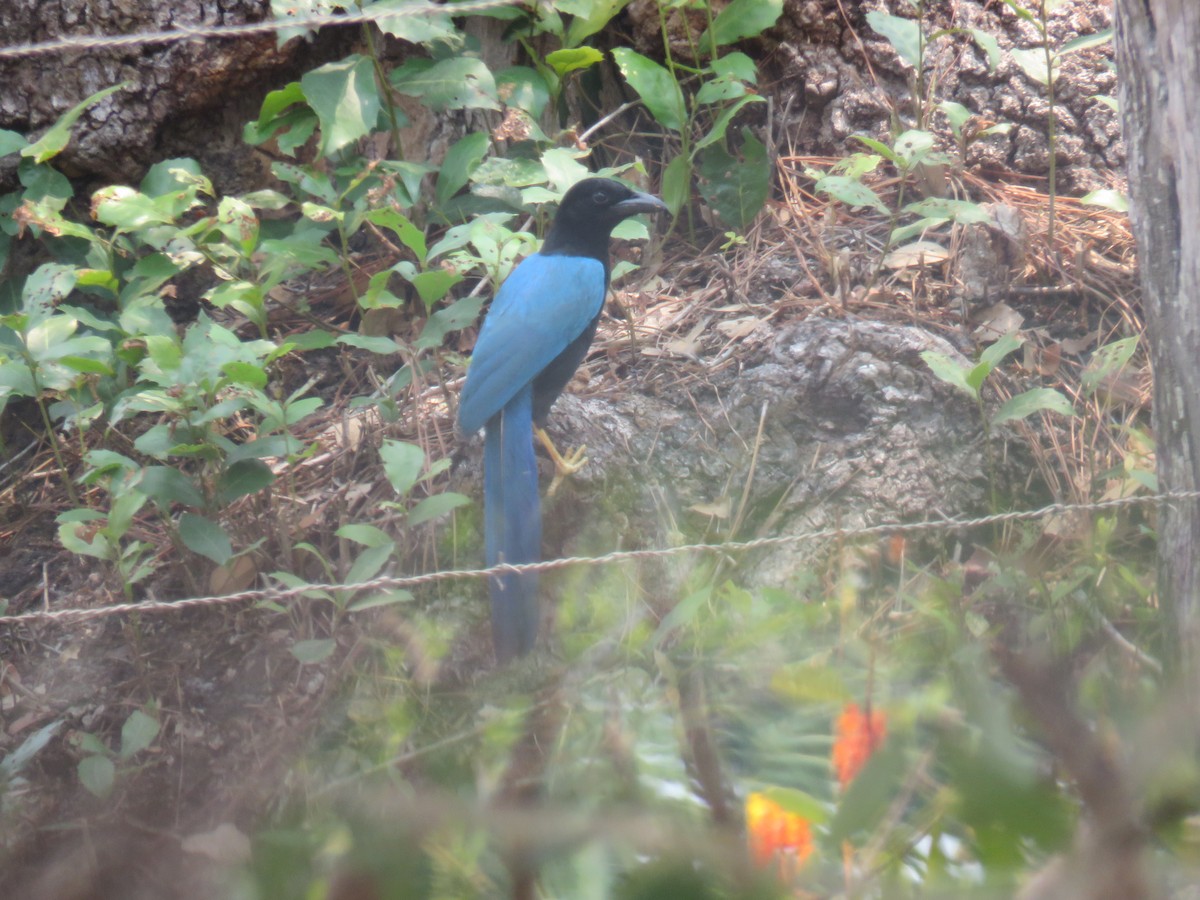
(1158, 55)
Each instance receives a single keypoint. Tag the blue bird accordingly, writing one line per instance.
(534, 337)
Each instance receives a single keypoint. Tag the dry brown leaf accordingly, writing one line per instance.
(736, 329)
(918, 253)
(996, 321)
(233, 576)
(719, 509)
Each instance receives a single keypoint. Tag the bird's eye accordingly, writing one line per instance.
(599, 197)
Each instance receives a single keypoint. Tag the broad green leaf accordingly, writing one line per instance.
(524, 88)
(573, 60)
(456, 316)
(736, 65)
(1108, 199)
(427, 22)
(97, 774)
(138, 733)
(1032, 401)
(722, 122)
(345, 98)
(382, 345)
(588, 17)
(677, 183)
(965, 212)
(655, 85)
(368, 563)
(956, 114)
(166, 485)
(246, 476)
(461, 82)
(58, 135)
(1032, 63)
(995, 352)
(11, 142)
(1106, 362)
(205, 537)
(123, 207)
(742, 19)
(903, 34)
(988, 44)
(403, 464)
(49, 284)
(436, 505)
(950, 371)
(313, 651)
(367, 535)
(120, 516)
(850, 191)
(84, 541)
(736, 188)
(461, 160)
(405, 231)
(913, 146)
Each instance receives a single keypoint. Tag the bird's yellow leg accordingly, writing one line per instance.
(564, 466)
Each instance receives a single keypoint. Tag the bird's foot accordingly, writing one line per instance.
(565, 465)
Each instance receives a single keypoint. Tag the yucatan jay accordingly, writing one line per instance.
(535, 335)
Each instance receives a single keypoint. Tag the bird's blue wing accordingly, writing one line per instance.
(544, 304)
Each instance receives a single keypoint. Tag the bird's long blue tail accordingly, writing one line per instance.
(512, 524)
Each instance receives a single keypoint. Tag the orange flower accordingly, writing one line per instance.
(858, 736)
(776, 834)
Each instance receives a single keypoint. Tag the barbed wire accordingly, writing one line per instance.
(85, 43)
(395, 582)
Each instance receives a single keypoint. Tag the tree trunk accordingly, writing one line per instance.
(1158, 54)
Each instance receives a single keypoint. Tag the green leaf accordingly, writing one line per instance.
(461, 160)
(1106, 362)
(97, 774)
(406, 232)
(721, 124)
(1032, 63)
(1032, 401)
(950, 371)
(313, 651)
(742, 19)
(994, 353)
(166, 485)
(965, 212)
(58, 135)
(138, 733)
(431, 22)
(1086, 41)
(403, 464)
(850, 191)
(735, 65)
(461, 82)
(456, 316)
(205, 537)
(1108, 199)
(15, 761)
(736, 188)
(564, 61)
(11, 142)
(367, 535)
(345, 98)
(655, 85)
(988, 44)
(956, 114)
(246, 476)
(123, 207)
(382, 345)
(912, 147)
(588, 17)
(387, 598)
(369, 562)
(524, 88)
(903, 34)
(436, 505)
(677, 183)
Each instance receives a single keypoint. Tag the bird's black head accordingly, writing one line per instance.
(589, 212)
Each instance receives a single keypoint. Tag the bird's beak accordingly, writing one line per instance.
(639, 203)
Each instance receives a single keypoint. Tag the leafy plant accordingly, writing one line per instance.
(100, 766)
